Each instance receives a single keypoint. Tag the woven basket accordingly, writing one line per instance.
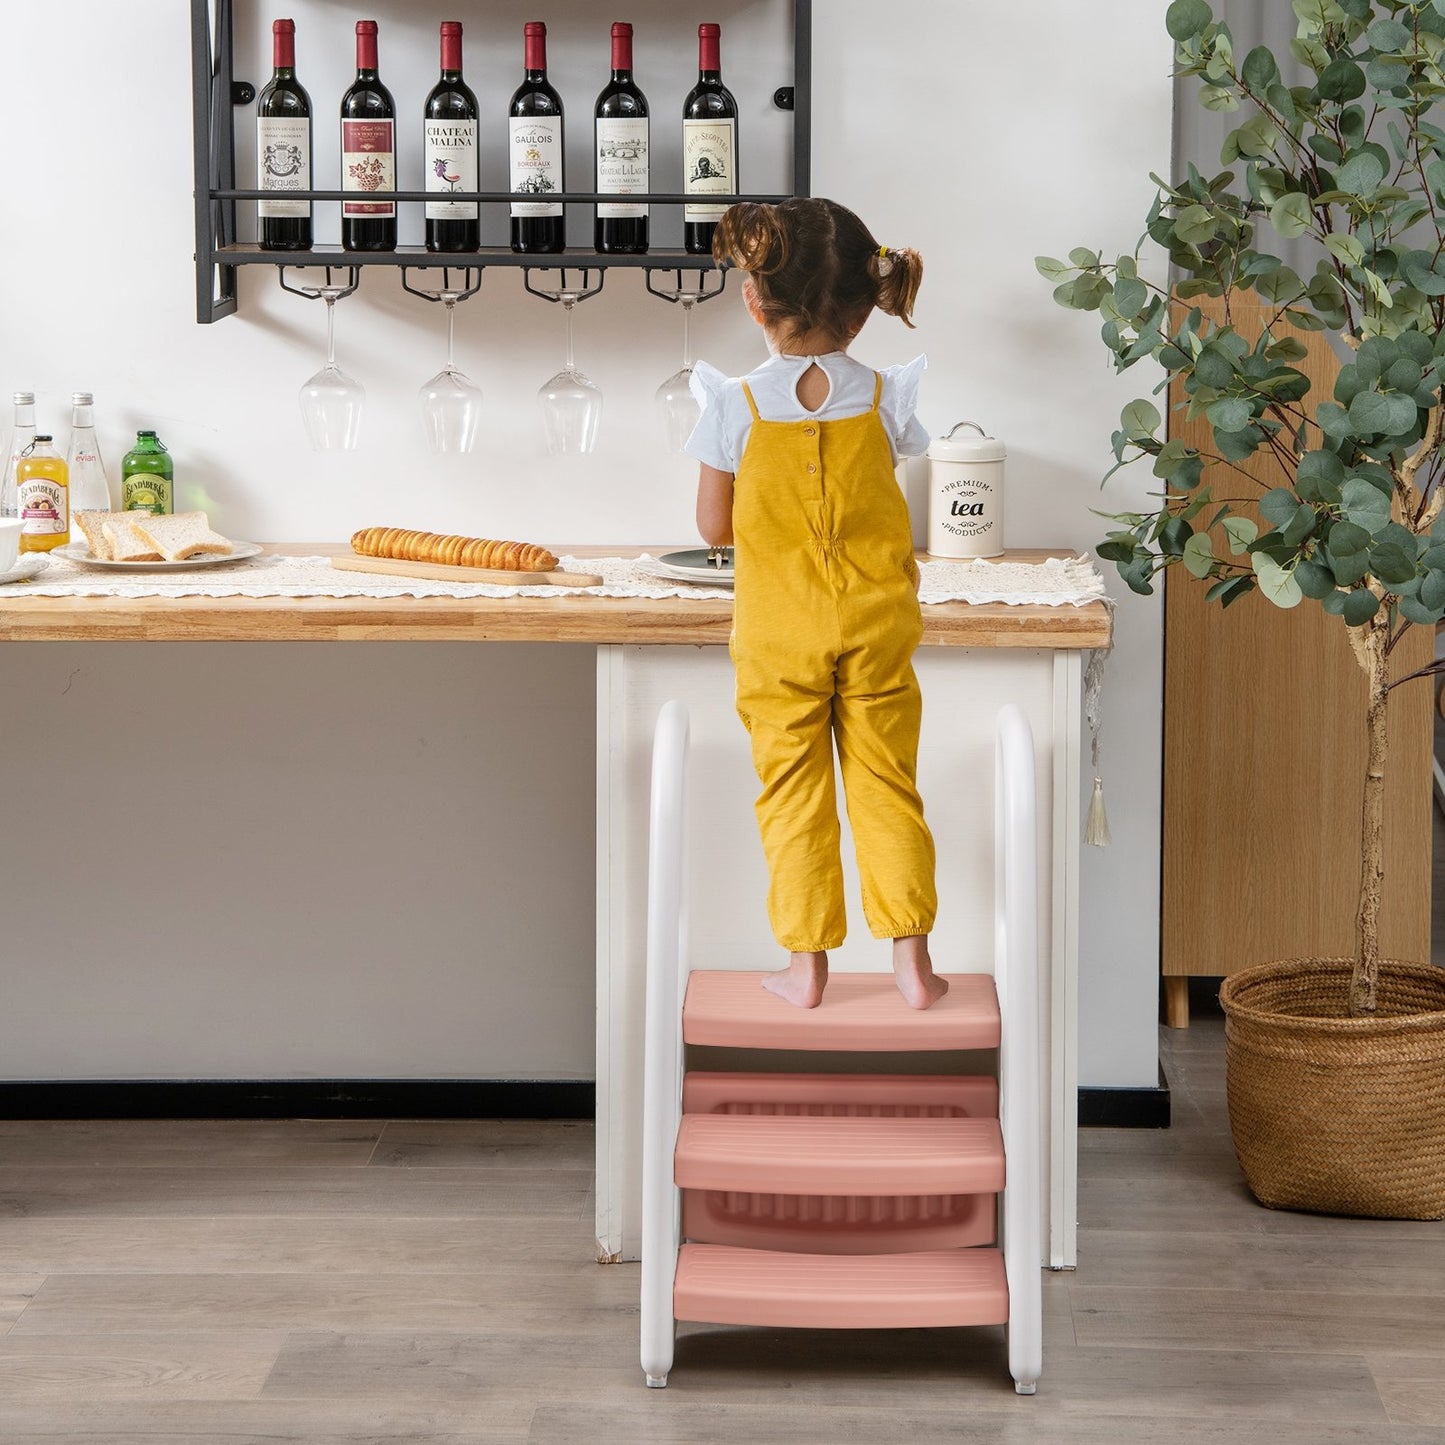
(1335, 1114)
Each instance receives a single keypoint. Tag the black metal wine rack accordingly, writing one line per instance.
(216, 93)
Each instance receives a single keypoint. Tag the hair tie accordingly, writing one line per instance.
(884, 264)
(882, 252)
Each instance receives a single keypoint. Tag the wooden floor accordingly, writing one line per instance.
(433, 1282)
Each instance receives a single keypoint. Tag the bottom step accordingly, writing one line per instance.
(721, 1285)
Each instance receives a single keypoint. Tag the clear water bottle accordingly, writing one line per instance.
(89, 486)
(21, 437)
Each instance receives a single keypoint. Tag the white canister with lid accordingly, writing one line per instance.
(965, 494)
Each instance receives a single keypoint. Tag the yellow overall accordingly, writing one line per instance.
(825, 624)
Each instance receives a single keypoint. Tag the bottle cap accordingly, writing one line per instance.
(534, 27)
(366, 27)
(44, 437)
(24, 398)
(82, 398)
(451, 27)
(283, 27)
(620, 28)
(140, 434)
(709, 32)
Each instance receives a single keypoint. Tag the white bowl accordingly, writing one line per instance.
(9, 542)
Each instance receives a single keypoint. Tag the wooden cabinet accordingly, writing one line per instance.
(1264, 755)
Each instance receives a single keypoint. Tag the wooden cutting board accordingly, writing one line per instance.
(395, 567)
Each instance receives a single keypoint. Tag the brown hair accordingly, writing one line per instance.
(815, 266)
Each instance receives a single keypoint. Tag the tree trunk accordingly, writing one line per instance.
(1371, 652)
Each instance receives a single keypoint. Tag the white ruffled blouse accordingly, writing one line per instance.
(721, 435)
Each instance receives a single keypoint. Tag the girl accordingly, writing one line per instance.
(797, 476)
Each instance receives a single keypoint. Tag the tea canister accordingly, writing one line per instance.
(965, 494)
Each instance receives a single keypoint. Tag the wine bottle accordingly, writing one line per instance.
(368, 152)
(709, 143)
(535, 145)
(621, 154)
(451, 151)
(283, 148)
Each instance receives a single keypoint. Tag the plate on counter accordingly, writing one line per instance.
(32, 564)
(693, 566)
(79, 552)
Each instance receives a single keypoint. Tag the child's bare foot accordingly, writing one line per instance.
(802, 982)
(917, 982)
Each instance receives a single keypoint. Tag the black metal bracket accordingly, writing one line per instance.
(784, 98)
(316, 293)
(693, 294)
(448, 292)
(577, 293)
(242, 92)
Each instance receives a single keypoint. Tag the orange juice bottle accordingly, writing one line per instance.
(42, 484)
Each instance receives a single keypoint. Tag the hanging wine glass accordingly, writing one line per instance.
(571, 404)
(332, 401)
(676, 405)
(451, 403)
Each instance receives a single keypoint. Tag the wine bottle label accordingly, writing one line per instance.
(536, 163)
(44, 507)
(283, 163)
(709, 164)
(368, 163)
(451, 166)
(622, 167)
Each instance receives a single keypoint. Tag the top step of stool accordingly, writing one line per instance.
(862, 1012)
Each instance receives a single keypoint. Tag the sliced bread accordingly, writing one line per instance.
(186, 534)
(126, 542)
(93, 525)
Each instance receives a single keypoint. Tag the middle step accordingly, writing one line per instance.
(796, 1154)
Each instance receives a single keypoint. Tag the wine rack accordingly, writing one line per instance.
(217, 93)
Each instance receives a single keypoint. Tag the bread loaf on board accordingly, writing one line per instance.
(452, 551)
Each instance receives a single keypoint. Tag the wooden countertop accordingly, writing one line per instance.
(486, 619)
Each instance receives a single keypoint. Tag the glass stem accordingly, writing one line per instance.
(567, 310)
(451, 335)
(331, 331)
(687, 333)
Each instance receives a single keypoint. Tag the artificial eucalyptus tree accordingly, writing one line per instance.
(1343, 150)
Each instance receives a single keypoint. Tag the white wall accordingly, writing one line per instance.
(447, 930)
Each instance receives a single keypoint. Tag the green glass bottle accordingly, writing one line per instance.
(147, 476)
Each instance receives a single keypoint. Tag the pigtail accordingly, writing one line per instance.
(898, 275)
(751, 237)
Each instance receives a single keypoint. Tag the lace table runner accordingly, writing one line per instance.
(1057, 582)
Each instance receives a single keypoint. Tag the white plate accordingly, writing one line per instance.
(693, 566)
(30, 565)
(80, 552)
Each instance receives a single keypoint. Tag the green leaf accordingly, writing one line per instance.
(1390, 563)
(1229, 414)
(1416, 611)
(1432, 589)
(1361, 174)
(1275, 582)
(1081, 256)
(1278, 505)
(1052, 270)
(1344, 248)
(1341, 80)
(1260, 69)
(1218, 97)
(1387, 34)
(1370, 413)
(1333, 420)
(1186, 18)
(1290, 215)
(1195, 225)
(1348, 570)
(1241, 531)
(1365, 505)
(1300, 525)
(1140, 419)
(1360, 606)
(1214, 367)
(1314, 580)
(1130, 294)
(1346, 539)
(1199, 554)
